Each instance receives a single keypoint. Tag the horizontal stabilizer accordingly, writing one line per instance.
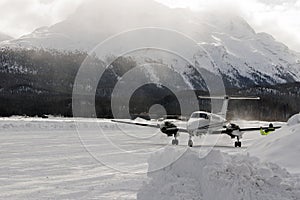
(229, 98)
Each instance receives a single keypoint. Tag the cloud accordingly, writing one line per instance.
(280, 18)
(23, 16)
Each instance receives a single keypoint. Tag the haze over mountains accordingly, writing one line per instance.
(243, 56)
(4, 37)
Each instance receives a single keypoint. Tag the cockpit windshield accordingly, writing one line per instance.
(200, 115)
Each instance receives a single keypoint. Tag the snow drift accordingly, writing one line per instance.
(20, 124)
(218, 176)
(281, 147)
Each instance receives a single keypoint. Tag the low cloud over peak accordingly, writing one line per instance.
(279, 18)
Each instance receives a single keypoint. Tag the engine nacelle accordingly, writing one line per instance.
(169, 129)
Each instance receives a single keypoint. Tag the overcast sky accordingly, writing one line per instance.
(281, 18)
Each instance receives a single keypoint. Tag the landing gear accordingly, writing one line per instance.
(238, 143)
(190, 142)
(175, 142)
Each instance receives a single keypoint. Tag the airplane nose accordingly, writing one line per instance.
(193, 124)
(196, 124)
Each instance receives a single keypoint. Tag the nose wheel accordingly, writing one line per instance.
(190, 143)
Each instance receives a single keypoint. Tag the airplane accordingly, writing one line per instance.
(202, 122)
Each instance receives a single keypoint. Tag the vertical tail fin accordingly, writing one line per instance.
(225, 107)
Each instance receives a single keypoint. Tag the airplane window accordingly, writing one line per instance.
(194, 115)
(204, 116)
(200, 115)
(215, 118)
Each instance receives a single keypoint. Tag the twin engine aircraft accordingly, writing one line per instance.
(201, 123)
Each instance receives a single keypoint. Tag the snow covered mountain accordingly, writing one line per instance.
(4, 37)
(241, 55)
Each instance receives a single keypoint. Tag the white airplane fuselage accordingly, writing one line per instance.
(202, 122)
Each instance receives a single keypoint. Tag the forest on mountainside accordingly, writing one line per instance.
(38, 82)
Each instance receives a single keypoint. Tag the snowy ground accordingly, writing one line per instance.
(44, 159)
(88, 159)
(282, 147)
(218, 176)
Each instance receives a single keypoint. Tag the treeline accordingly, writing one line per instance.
(278, 102)
(38, 82)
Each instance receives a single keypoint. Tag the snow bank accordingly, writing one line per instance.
(281, 147)
(38, 124)
(217, 176)
(294, 120)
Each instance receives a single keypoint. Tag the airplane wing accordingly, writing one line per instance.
(183, 130)
(257, 129)
(230, 130)
(169, 126)
(136, 123)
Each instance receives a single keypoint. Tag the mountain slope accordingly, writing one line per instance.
(4, 37)
(243, 57)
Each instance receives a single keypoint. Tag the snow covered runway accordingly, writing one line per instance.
(42, 160)
(85, 159)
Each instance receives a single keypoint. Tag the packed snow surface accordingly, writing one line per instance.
(217, 176)
(282, 146)
(61, 158)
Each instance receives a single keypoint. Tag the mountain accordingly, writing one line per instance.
(243, 57)
(37, 82)
(4, 37)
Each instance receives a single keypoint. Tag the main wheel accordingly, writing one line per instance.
(237, 144)
(240, 144)
(175, 142)
(190, 143)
